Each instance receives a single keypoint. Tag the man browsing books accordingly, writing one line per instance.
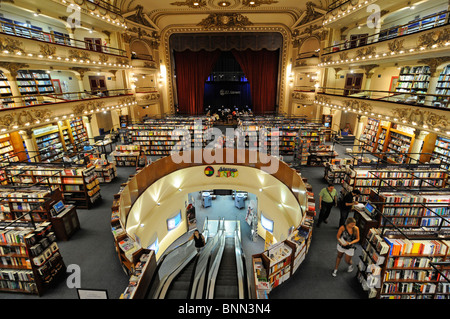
(327, 198)
(347, 204)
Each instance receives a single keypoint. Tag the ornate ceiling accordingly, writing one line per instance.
(161, 14)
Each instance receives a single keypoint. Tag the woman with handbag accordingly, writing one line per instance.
(347, 236)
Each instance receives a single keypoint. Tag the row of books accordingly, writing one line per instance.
(400, 247)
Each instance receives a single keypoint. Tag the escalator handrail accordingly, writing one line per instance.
(214, 269)
(240, 265)
(202, 263)
(169, 279)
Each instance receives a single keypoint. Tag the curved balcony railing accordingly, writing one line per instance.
(13, 102)
(54, 37)
(426, 23)
(437, 101)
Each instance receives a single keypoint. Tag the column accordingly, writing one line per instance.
(417, 145)
(358, 130)
(87, 122)
(14, 88)
(32, 150)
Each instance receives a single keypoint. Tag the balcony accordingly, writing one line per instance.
(28, 45)
(413, 109)
(425, 44)
(342, 13)
(97, 13)
(26, 111)
(143, 61)
(426, 23)
(307, 60)
(147, 96)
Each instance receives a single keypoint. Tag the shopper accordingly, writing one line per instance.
(347, 236)
(199, 240)
(348, 201)
(327, 198)
(142, 160)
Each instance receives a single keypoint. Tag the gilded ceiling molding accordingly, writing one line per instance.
(396, 45)
(225, 21)
(418, 117)
(149, 97)
(257, 3)
(79, 55)
(368, 69)
(336, 74)
(17, 119)
(283, 30)
(80, 71)
(13, 67)
(11, 45)
(190, 3)
(433, 63)
(365, 52)
(87, 107)
(47, 50)
(436, 37)
(358, 106)
(151, 38)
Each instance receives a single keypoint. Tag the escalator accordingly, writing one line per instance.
(227, 281)
(181, 285)
(227, 278)
(217, 272)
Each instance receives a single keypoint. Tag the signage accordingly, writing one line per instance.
(227, 172)
(209, 171)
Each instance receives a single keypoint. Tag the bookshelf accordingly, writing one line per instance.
(157, 137)
(372, 262)
(126, 155)
(425, 210)
(123, 119)
(27, 204)
(49, 143)
(30, 259)
(310, 137)
(34, 82)
(141, 276)
(366, 178)
(414, 80)
(5, 92)
(370, 133)
(381, 139)
(442, 152)
(79, 134)
(78, 183)
(280, 261)
(399, 145)
(442, 89)
(7, 150)
(335, 170)
(408, 273)
(105, 170)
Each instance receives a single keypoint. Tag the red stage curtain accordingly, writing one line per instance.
(192, 70)
(261, 69)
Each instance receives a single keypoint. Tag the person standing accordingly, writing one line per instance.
(347, 204)
(327, 199)
(142, 160)
(199, 240)
(347, 236)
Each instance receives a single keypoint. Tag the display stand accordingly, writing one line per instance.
(66, 223)
(206, 199)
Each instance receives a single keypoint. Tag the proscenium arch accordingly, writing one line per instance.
(284, 57)
(161, 190)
